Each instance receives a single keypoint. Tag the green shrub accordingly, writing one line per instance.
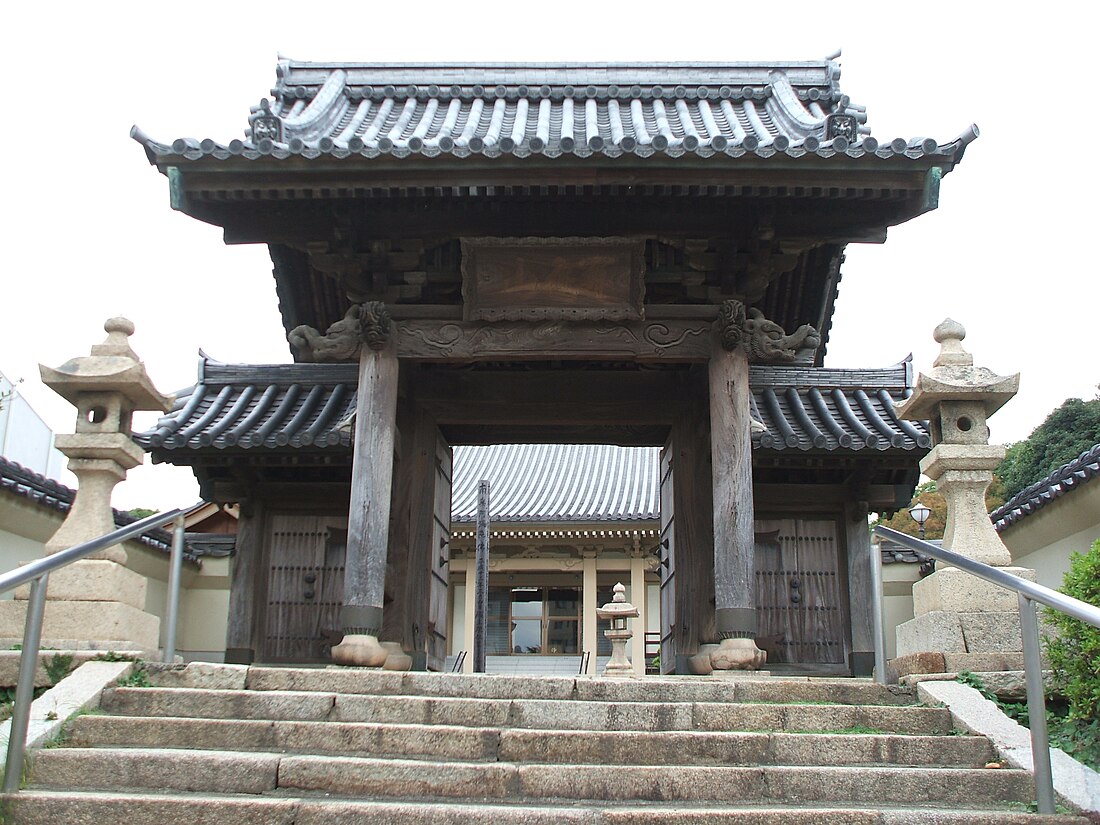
(1074, 650)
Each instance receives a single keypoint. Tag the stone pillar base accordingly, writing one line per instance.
(949, 632)
(84, 625)
(738, 654)
(360, 651)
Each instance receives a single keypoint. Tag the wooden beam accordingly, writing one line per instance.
(467, 341)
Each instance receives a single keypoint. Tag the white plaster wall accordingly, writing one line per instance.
(1045, 539)
(897, 600)
(458, 618)
(14, 550)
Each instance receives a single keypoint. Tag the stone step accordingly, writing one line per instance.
(524, 713)
(526, 745)
(259, 773)
(36, 807)
(487, 686)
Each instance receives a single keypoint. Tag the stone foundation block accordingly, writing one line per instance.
(992, 632)
(84, 623)
(94, 580)
(951, 589)
(933, 632)
(948, 632)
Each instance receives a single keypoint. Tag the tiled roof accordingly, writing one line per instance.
(301, 406)
(1065, 479)
(557, 482)
(734, 109)
(18, 480)
(830, 409)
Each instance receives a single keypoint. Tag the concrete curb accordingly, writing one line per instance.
(1075, 783)
(80, 690)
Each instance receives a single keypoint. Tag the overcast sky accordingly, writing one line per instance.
(89, 232)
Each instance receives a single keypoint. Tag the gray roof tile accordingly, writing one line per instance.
(1067, 478)
(16, 479)
(301, 406)
(734, 109)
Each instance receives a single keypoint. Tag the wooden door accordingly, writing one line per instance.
(305, 586)
(438, 555)
(798, 591)
(668, 563)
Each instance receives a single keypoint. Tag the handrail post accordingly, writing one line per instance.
(876, 615)
(24, 691)
(1036, 706)
(175, 572)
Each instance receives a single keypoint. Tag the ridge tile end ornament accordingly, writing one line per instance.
(265, 124)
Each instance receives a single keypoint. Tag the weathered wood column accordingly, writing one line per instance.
(371, 479)
(741, 334)
(731, 462)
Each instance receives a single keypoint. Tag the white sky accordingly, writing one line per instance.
(88, 232)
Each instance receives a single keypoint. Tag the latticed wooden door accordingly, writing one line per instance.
(798, 591)
(668, 563)
(305, 586)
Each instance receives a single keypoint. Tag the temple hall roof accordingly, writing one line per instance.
(305, 407)
(557, 482)
(1067, 478)
(556, 109)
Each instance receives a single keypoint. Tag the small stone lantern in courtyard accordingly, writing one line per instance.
(617, 611)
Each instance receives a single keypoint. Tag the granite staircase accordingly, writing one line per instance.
(320, 746)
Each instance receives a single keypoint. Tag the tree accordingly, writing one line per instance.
(142, 512)
(1066, 433)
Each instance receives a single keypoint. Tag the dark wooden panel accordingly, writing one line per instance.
(439, 583)
(559, 278)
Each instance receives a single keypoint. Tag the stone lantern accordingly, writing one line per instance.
(957, 398)
(960, 621)
(617, 611)
(97, 601)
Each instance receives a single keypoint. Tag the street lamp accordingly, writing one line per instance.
(919, 513)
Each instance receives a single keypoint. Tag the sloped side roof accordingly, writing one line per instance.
(306, 406)
(18, 480)
(371, 109)
(557, 482)
(1067, 478)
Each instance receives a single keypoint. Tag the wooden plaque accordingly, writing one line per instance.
(513, 279)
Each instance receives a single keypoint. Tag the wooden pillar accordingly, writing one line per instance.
(693, 543)
(861, 660)
(244, 584)
(369, 514)
(731, 462)
(588, 608)
(638, 599)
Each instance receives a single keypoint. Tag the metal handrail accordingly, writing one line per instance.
(1028, 593)
(38, 573)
